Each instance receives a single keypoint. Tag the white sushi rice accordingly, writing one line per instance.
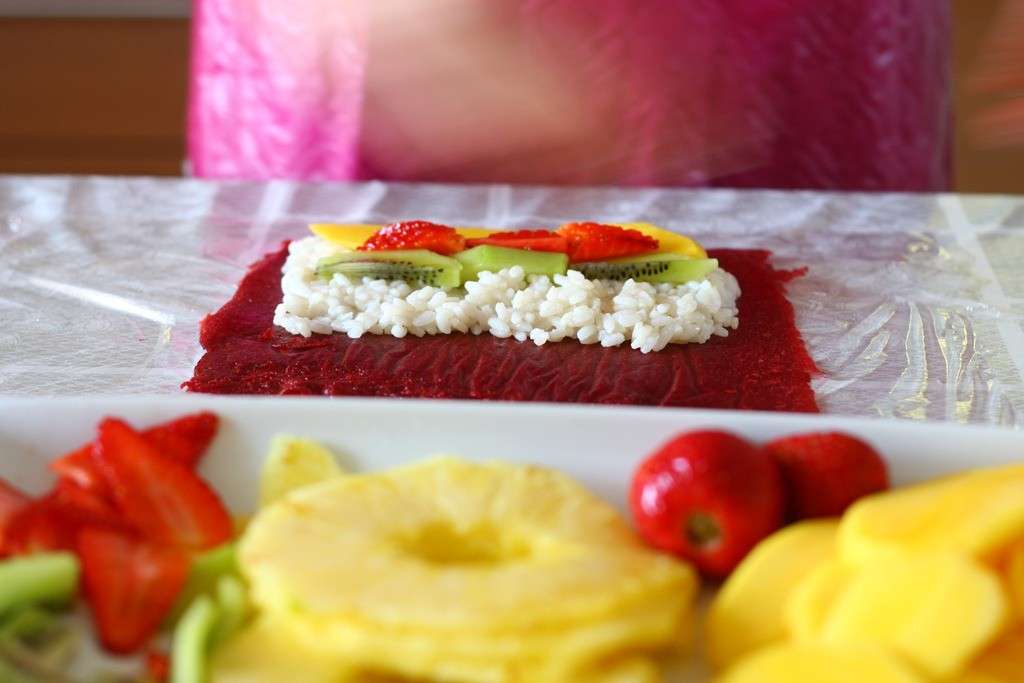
(648, 317)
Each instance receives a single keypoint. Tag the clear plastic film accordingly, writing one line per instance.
(912, 305)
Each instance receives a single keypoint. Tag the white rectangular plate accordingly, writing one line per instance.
(600, 446)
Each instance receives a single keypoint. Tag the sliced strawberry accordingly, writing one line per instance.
(164, 500)
(79, 467)
(185, 439)
(130, 585)
(12, 501)
(52, 522)
(40, 526)
(158, 666)
(599, 242)
(416, 235)
(532, 240)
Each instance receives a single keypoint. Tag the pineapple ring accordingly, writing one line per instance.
(449, 545)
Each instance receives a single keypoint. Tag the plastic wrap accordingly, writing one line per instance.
(845, 94)
(912, 305)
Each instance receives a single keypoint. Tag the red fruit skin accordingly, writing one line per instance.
(130, 585)
(708, 473)
(162, 499)
(599, 242)
(824, 473)
(12, 501)
(158, 666)
(416, 235)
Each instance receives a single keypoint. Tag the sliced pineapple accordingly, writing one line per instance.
(475, 572)
(294, 463)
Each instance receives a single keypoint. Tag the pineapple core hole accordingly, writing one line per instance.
(441, 543)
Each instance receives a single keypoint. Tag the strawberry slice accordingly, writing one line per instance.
(158, 666)
(52, 522)
(164, 500)
(184, 440)
(416, 235)
(531, 240)
(130, 585)
(12, 501)
(599, 242)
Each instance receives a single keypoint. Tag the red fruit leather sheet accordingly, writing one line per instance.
(761, 366)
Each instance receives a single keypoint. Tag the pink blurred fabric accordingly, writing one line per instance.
(836, 94)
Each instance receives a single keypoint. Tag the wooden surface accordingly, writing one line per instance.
(108, 96)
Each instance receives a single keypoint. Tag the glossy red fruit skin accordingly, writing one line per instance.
(824, 473)
(599, 242)
(712, 474)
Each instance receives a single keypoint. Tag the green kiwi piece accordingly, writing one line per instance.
(657, 268)
(489, 257)
(415, 266)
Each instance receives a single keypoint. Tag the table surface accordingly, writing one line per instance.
(912, 305)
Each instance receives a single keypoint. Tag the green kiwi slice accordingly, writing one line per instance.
(489, 257)
(657, 268)
(415, 266)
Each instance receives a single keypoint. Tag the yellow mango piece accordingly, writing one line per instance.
(348, 235)
(668, 241)
(977, 513)
(938, 610)
(818, 663)
(294, 463)
(1002, 662)
(747, 613)
(353, 235)
(811, 601)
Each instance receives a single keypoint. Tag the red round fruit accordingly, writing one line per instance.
(824, 473)
(708, 497)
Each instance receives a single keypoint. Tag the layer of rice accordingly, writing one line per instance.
(506, 304)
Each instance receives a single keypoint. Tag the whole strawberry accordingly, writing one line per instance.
(824, 473)
(708, 497)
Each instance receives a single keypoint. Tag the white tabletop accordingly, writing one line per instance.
(912, 306)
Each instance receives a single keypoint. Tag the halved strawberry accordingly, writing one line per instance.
(163, 499)
(130, 585)
(599, 242)
(183, 440)
(416, 235)
(12, 500)
(532, 240)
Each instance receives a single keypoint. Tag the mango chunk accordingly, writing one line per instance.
(977, 513)
(293, 463)
(937, 610)
(818, 663)
(1003, 661)
(668, 241)
(811, 601)
(747, 613)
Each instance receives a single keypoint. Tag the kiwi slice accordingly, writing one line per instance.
(489, 257)
(671, 268)
(415, 266)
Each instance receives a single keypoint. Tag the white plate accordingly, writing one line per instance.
(598, 445)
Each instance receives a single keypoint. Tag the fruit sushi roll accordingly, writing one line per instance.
(422, 310)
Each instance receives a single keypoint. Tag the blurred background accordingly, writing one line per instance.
(100, 86)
